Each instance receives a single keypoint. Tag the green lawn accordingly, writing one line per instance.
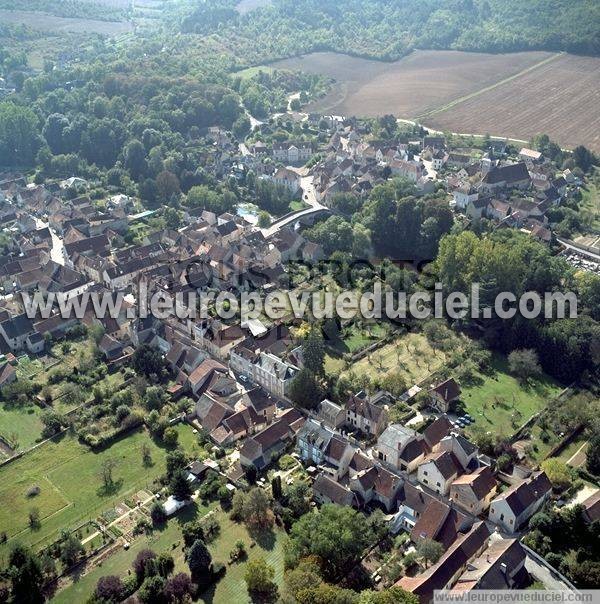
(68, 474)
(410, 355)
(501, 404)
(231, 588)
(249, 73)
(21, 423)
(297, 205)
(590, 205)
(168, 539)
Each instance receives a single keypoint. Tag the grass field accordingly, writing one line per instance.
(21, 423)
(68, 474)
(410, 355)
(231, 588)
(590, 206)
(352, 339)
(500, 404)
(247, 74)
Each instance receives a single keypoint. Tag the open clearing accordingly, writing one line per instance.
(500, 404)
(51, 23)
(560, 98)
(230, 588)
(411, 356)
(511, 95)
(245, 6)
(68, 474)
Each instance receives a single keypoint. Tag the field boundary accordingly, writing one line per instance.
(468, 97)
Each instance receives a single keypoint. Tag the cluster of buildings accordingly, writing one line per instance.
(434, 483)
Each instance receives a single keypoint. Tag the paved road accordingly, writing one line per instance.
(308, 196)
(579, 250)
(58, 247)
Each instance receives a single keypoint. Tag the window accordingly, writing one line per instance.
(438, 484)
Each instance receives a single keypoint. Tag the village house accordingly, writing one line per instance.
(327, 490)
(259, 450)
(444, 394)
(465, 194)
(363, 415)
(446, 571)
(320, 445)
(514, 507)
(291, 152)
(501, 566)
(377, 484)
(511, 176)
(438, 471)
(286, 178)
(529, 156)
(400, 447)
(474, 492)
(331, 415)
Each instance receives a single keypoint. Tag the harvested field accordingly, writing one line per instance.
(50, 23)
(560, 98)
(512, 95)
(423, 81)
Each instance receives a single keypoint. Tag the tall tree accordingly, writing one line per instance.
(199, 560)
(19, 138)
(181, 488)
(313, 351)
(25, 575)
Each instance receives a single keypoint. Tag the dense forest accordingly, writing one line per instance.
(389, 29)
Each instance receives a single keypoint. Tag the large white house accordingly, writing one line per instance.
(513, 508)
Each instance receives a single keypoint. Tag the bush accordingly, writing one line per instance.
(287, 462)
(33, 491)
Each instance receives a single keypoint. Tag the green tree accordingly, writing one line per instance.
(257, 509)
(181, 488)
(25, 576)
(593, 455)
(264, 220)
(337, 535)
(558, 473)
(429, 550)
(152, 590)
(200, 561)
(158, 514)
(19, 139)
(524, 364)
(259, 578)
(306, 390)
(134, 156)
(313, 351)
(170, 437)
(393, 595)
